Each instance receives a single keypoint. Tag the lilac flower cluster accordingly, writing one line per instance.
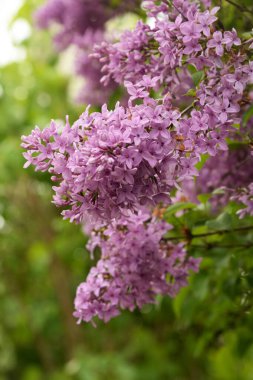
(113, 161)
(125, 159)
(227, 175)
(74, 18)
(82, 23)
(189, 84)
(244, 192)
(136, 265)
(222, 175)
(184, 37)
(245, 196)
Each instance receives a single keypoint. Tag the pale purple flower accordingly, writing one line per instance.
(223, 108)
(217, 43)
(231, 38)
(134, 91)
(190, 30)
(206, 19)
(192, 46)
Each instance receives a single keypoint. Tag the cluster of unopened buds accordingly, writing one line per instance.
(189, 84)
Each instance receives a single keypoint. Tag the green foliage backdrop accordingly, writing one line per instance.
(204, 334)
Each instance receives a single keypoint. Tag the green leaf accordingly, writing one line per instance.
(248, 114)
(178, 301)
(192, 69)
(178, 207)
(204, 198)
(224, 220)
(202, 162)
(197, 77)
(191, 92)
(219, 191)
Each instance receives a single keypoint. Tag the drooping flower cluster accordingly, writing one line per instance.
(184, 37)
(113, 161)
(82, 23)
(244, 192)
(75, 18)
(245, 196)
(189, 84)
(227, 175)
(223, 174)
(122, 159)
(136, 265)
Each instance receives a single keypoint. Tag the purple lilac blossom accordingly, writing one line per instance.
(164, 50)
(160, 52)
(230, 170)
(127, 158)
(136, 265)
(74, 18)
(82, 23)
(245, 196)
(113, 161)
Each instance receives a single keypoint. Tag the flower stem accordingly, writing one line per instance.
(242, 8)
(211, 233)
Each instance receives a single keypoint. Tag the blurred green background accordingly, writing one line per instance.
(204, 334)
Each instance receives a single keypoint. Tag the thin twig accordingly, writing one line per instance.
(212, 233)
(171, 3)
(242, 8)
(247, 41)
(208, 246)
(188, 108)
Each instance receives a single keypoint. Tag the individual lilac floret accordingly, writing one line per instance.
(136, 265)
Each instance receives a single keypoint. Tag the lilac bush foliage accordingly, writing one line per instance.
(189, 83)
